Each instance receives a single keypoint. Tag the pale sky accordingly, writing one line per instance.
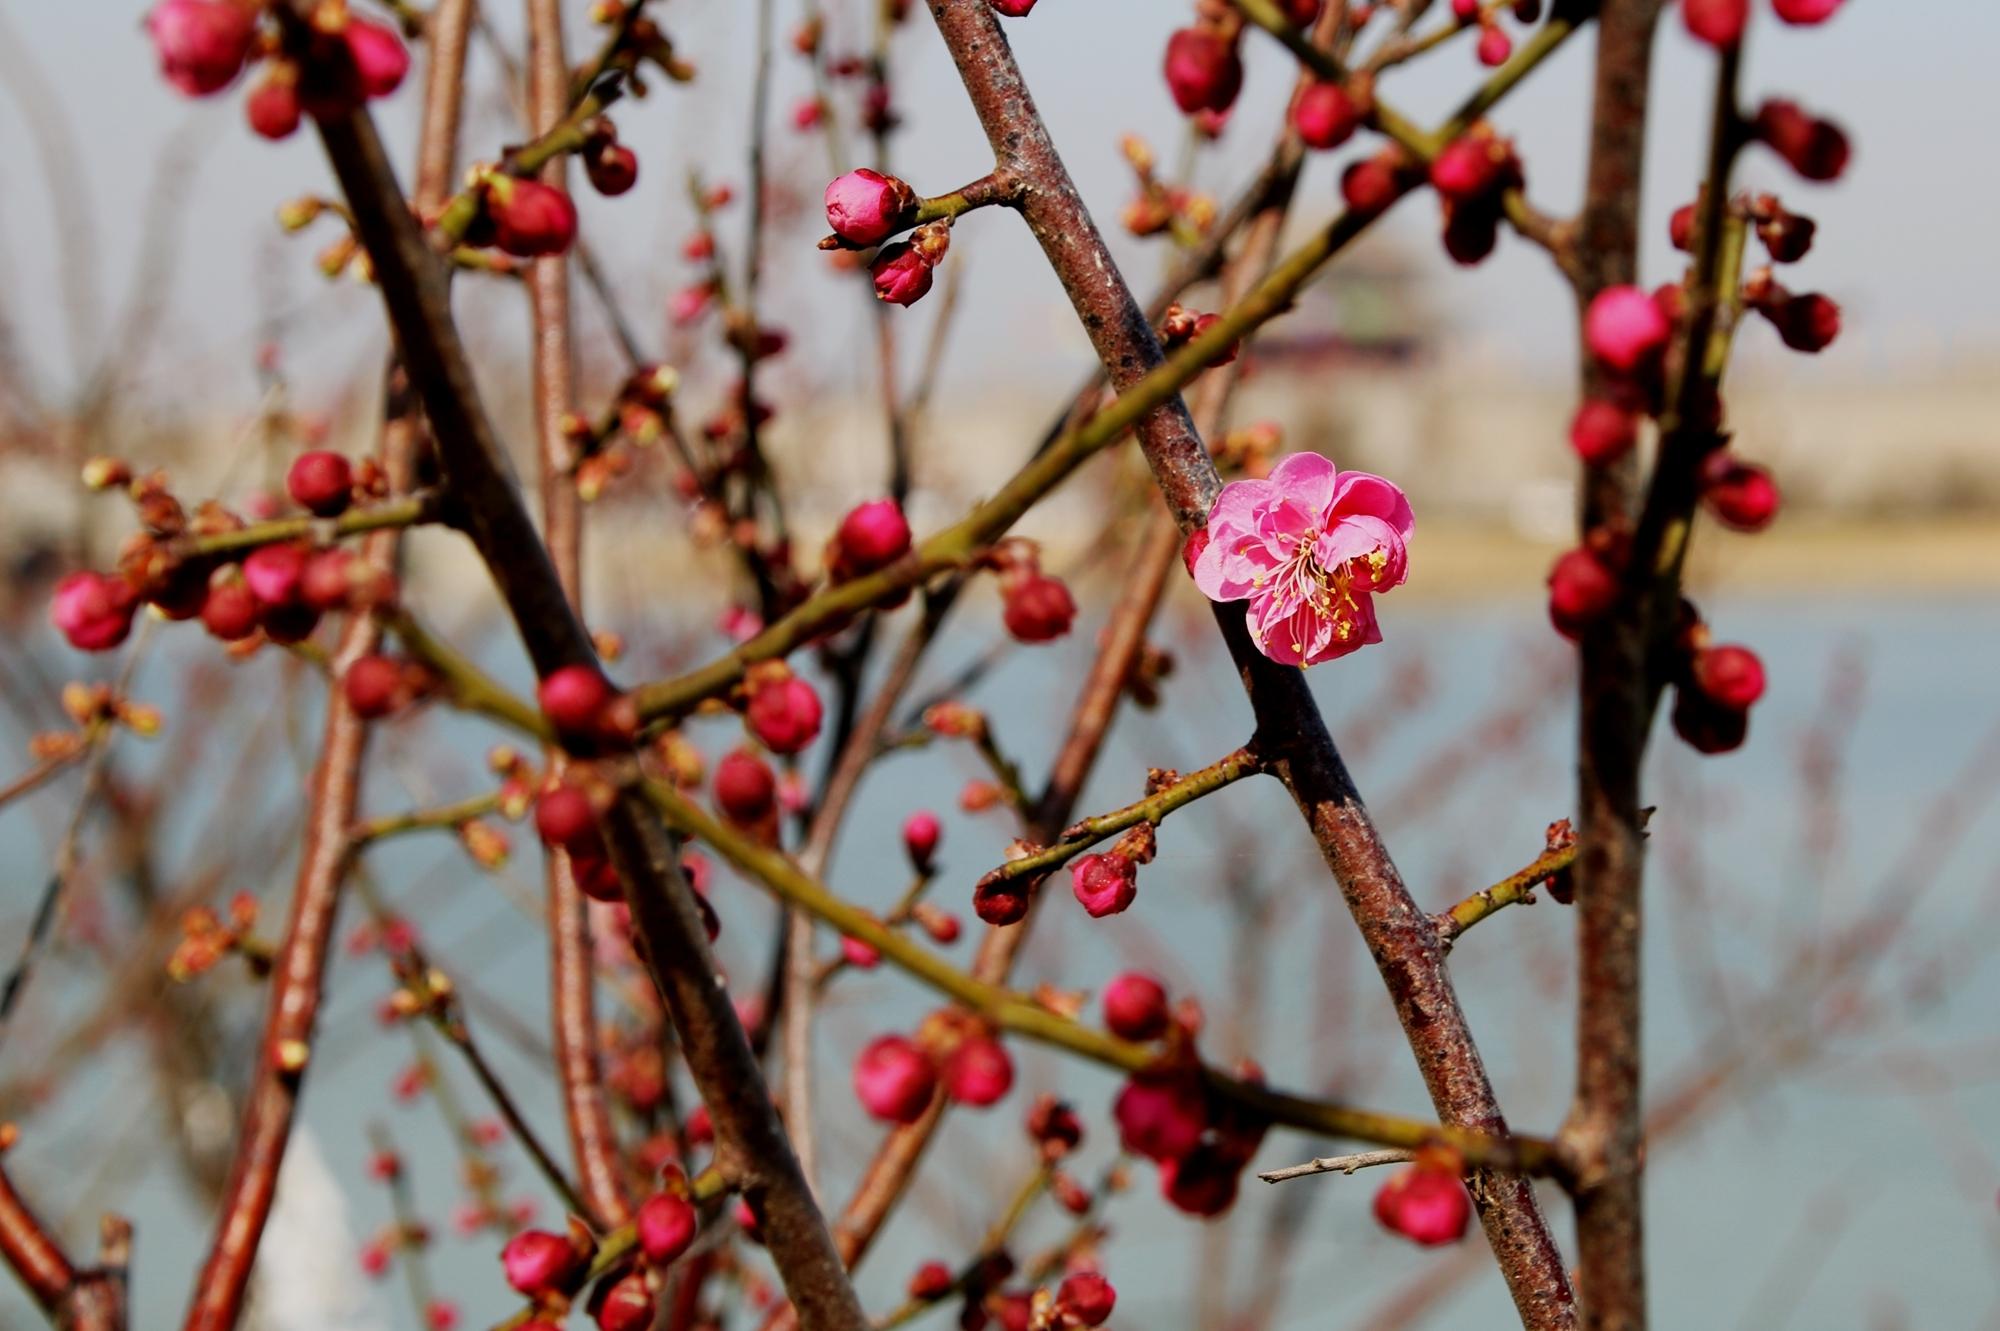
(1904, 241)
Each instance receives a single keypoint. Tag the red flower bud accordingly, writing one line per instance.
(745, 789)
(230, 611)
(373, 686)
(1204, 70)
(872, 536)
(564, 817)
(666, 1225)
(902, 274)
(538, 1263)
(1680, 228)
(575, 698)
(612, 169)
(860, 955)
(1203, 1182)
(1494, 47)
(1729, 676)
(1302, 13)
(1325, 116)
(272, 107)
(1135, 1007)
(921, 831)
(529, 218)
(1807, 323)
(93, 610)
(894, 1079)
(1602, 431)
(380, 58)
(866, 207)
(1625, 328)
(1805, 12)
(626, 1306)
(202, 44)
(1014, 8)
(1105, 884)
(1036, 607)
(1581, 588)
(1055, 1126)
(1424, 1204)
(321, 482)
(1159, 1116)
(1000, 903)
(1707, 726)
(931, 1282)
(978, 1072)
(1720, 23)
(1369, 187)
(275, 573)
(1086, 1299)
(784, 714)
(1816, 149)
(1471, 166)
(1740, 494)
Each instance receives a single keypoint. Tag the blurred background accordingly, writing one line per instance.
(1824, 902)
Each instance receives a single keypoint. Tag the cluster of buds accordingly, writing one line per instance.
(1720, 23)
(897, 1076)
(1200, 1142)
(276, 592)
(1426, 1201)
(1158, 206)
(326, 68)
(1472, 176)
(207, 937)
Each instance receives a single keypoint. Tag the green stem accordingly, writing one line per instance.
(410, 511)
(445, 817)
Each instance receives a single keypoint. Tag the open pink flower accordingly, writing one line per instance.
(1308, 549)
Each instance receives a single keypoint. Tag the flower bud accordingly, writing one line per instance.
(1425, 1204)
(1368, 187)
(1000, 902)
(529, 218)
(1204, 70)
(784, 714)
(902, 274)
(931, 1282)
(275, 572)
(540, 1264)
(1494, 47)
(93, 610)
(1705, 725)
(1135, 1007)
(978, 1072)
(1805, 13)
(1325, 116)
(1807, 323)
(575, 699)
(1105, 884)
(894, 1079)
(1160, 1116)
(1729, 676)
(1582, 587)
(1054, 1126)
(866, 207)
(1036, 607)
(1625, 328)
(872, 536)
(230, 611)
(272, 107)
(1720, 23)
(860, 955)
(612, 168)
(1085, 1299)
(1013, 8)
(1816, 149)
(745, 789)
(626, 1306)
(380, 58)
(1740, 494)
(321, 482)
(202, 44)
(373, 687)
(565, 817)
(1602, 432)
(921, 831)
(666, 1225)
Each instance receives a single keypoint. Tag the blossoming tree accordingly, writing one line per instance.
(632, 815)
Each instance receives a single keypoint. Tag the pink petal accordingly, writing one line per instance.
(1362, 493)
(1293, 637)
(1364, 632)
(1357, 537)
(1308, 479)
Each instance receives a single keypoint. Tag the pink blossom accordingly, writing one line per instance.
(1308, 549)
